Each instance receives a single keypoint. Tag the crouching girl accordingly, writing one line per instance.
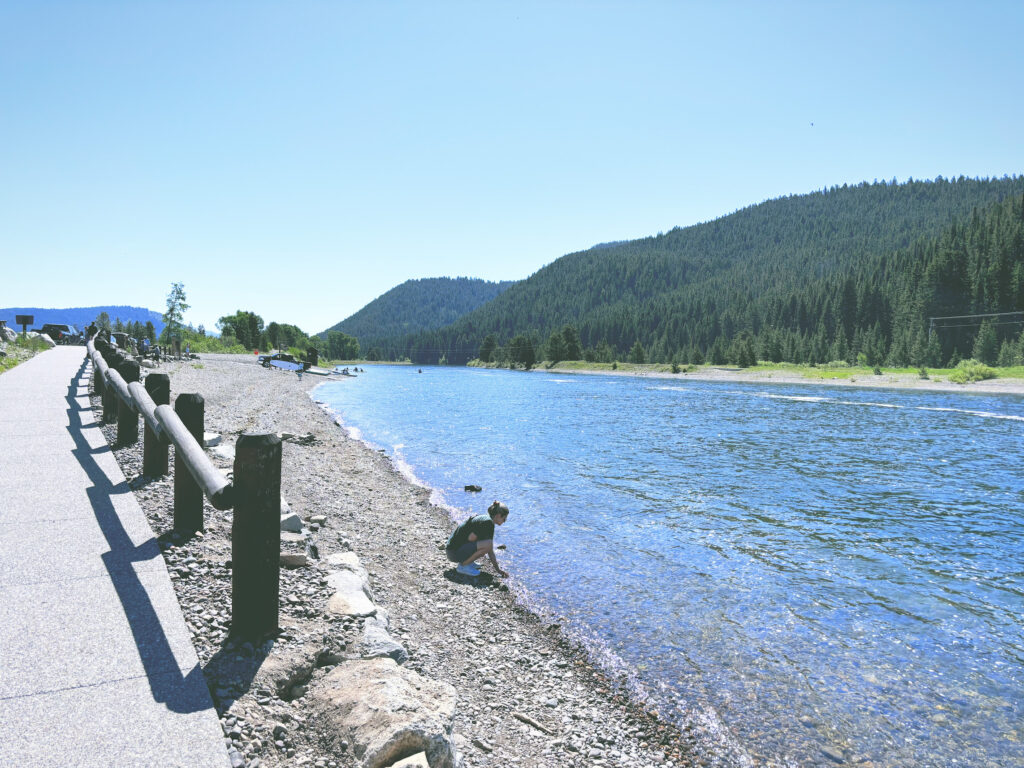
(474, 538)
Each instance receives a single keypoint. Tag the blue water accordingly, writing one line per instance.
(794, 570)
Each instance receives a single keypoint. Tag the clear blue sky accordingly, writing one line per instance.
(298, 159)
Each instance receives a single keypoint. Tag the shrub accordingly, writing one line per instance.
(675, 367)
(877, 371)
(922, 373)
(971, 370)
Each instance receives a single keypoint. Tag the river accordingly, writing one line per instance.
(819, 575)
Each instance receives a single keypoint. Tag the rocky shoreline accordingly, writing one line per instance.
(513, 689)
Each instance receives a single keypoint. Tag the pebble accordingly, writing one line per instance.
(833, 753)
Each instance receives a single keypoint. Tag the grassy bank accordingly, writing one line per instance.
(967, 372)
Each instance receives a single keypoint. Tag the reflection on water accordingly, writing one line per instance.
(832, 576)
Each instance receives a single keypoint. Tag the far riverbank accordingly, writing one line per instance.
(937, 381)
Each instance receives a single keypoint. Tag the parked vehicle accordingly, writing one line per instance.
(61, 333)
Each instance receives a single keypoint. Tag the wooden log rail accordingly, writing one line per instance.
(255, 494)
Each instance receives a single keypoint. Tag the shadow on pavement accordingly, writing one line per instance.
(180, 693)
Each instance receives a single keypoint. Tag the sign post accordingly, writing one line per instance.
(24, 321)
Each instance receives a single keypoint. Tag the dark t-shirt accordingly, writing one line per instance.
(481, 525)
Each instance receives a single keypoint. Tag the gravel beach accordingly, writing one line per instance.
(525, 696)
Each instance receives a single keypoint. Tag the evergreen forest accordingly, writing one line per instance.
(852, 273)
(414, 306)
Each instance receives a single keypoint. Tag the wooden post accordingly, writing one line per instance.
(154, 450)
(127, 417)
(188, 496)
(109, 397)
(256, 535)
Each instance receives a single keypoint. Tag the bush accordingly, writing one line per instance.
(877, 371)
(922, 373)
(20, 350)
(971, 370)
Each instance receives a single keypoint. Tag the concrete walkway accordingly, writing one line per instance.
(96, 664)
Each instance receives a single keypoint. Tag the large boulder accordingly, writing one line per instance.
(386, 712)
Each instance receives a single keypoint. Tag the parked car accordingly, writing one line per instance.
(61, 333)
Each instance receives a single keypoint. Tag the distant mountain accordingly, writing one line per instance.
(417, 305)
(795, 266)
(80, 317)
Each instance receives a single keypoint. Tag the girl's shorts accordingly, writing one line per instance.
(462, 553)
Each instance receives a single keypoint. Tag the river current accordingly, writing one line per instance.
(815, 575)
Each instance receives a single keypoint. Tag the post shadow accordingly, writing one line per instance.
(180, 693)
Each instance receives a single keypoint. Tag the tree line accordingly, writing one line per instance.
(849, 273)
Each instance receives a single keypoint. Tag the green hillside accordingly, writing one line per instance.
(766, 275)
(417, 305)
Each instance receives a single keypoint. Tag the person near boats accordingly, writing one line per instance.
(474, 539)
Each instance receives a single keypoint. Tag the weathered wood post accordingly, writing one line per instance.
(97, 382)
(127, 416)
(188, 496)
(154, 450)
(109, 397)
(256, 535)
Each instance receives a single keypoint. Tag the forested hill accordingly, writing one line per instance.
(691, 293)
(417, 305)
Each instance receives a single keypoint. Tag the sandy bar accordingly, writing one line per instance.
(997, 386)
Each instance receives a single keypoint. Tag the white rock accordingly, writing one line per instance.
(224, 451)
(384, 710)
(419, 760)
(210, 439)
(348, 561)
(351, 595)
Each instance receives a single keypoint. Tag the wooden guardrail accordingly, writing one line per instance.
(254, 494)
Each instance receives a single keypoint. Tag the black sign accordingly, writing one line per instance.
(24, 319)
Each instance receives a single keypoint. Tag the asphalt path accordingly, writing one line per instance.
(97, 667)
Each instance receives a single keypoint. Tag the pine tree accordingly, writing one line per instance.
(986, 346)
(486, 354)
(571, 339)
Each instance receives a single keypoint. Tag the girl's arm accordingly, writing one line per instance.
(494, 562)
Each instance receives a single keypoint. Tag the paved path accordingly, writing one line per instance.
(96, 664)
